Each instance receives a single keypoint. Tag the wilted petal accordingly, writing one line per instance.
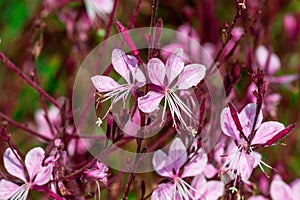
(247, 116)
(150, 102)
(33, 161)
(163, 192)
(104, 83)
(196, 165)
(190, 76)
(161, 164)
(214, 190)
(7, 188)
(44, 175)
(13, 165)
(280, 190)
(157, 71)
(174, 65)
(227, 124)
(177, 154)
(262, 54)
(295, 186)
(267, 131)
(120, 62)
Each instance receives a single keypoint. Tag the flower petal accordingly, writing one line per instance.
(258, 197)
(140, 78)
(280, 190)
(33, 161)
(227, 124)
(157, 71)
(262, 54)
(214, 190)
(247, 116)
(199, 183)
(196, 164)
(267, 131)
(210, 171)
(13, 165)
(163, 192)
(177, 154)
(150, 102)
(44, 175)
(285, 79)
(123, 64)
(174, 65)
(161, 164)
(190, 76)
(7, 188)
(246, 166)
(295, 185)
(104, 83)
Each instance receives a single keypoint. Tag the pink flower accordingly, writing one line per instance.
(127, 67)
(243, 158)
(98, 172)
(163, 75)
(38, 174)
(207, 190)
(290, 26)
(99, 7)
(188, 40)
(280, 190)
(176, 167)
(270, 63)
(258, 197)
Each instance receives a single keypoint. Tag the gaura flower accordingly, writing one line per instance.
(176, 166)
(243, 158)
(270, 63)
(127, 67)
(280, 190)
(99, 7)
(98, 173)
(163, 76)
(38, 174)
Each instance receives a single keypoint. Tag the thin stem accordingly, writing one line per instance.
(34, 85)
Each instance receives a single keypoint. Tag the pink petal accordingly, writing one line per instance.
(132, 126)
(13, 165)
(150, 102)
(246, 165)
(280, 190)
(185, 33)
(284, 79)
(190, 76)
(120, 63)
(262, 54)
(177, 154)
(33, 161)
(247, 116)
(196, 165)
(227, 124)
(163, 192)
(267, 131)
(174, 65)
(161, 164)
(210, 171)
(104, 83)
(258, 197)
(139, 77)
(44, 175)
(157, 71)
(214, 190)
(295, 185)
(199, 184)
(7, 189)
